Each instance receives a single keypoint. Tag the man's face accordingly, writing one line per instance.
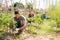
(17, 15)
(31, 12)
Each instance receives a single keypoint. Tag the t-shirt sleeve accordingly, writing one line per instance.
(22, 18)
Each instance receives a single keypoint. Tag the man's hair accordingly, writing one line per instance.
(16, 12)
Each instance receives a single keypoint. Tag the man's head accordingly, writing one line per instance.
(31, 12)
(17, 15)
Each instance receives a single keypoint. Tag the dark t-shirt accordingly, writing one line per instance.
(43, 16)
(31, 15)
(19, 21)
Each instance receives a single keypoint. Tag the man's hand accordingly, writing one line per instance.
(17, 29)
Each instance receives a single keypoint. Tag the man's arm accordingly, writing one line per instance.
(24, 25)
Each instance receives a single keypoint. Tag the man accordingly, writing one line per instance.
(44, 16)
(20, 21)
(31, 14)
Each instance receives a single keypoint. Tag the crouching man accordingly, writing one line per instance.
(20, 21)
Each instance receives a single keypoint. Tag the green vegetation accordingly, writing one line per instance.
(18, 5)
(29, 6)
(37, 26)
(5, 20)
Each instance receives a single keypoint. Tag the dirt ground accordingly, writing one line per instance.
(27, 36)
